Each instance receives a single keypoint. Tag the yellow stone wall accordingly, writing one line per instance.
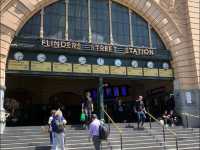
(176, 21)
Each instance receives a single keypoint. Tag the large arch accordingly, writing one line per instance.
(15, 13)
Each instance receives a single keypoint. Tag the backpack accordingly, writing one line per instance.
(103, 131)
(59, 125)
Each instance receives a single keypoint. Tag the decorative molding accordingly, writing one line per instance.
(168, 4)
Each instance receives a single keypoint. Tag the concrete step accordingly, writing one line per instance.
(34, 138)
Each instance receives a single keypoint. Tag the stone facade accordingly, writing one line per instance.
(176, 21)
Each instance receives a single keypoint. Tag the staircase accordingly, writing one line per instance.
(34, 138)
(187, 138)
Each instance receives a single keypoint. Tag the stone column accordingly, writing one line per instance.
(2, 110)
(187, 101)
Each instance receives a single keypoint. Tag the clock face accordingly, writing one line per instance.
(100, 61)
(118, 62)
(19, 56)
(41, 57)
(62, 59)
(134, 64)
(150, 64)
(82, 60)
(165, 65)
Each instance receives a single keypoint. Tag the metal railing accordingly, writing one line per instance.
(116, 126)
(163, 129)
(187, 115)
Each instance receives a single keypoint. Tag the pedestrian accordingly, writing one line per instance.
(172, 118)
(59, 125)
(166, 118)
(120, 111)
(51, 130)
(140, 110)
(87, 106)
(94, 131)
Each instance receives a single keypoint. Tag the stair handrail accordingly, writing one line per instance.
(191, 115)
(163, 127)
(116, 126)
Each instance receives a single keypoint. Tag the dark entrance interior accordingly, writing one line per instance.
(30, 99)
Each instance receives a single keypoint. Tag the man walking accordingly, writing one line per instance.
(94, 131)
(140, 110)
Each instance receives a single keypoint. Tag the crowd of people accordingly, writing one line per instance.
(121, 112)
(89, 120)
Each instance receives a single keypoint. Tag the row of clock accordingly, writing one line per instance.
(82, 60)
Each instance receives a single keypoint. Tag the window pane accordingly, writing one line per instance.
(54, 21)
(140, 31)
(32, 27)
(78, 20)
(120, 24)
(156, 40)
(100, 21)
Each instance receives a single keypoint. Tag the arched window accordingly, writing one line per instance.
(54, 21)
(120, 24)
(75, 26)
(100, 21)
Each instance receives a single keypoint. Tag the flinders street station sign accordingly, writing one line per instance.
(47, 56)
(97, 47)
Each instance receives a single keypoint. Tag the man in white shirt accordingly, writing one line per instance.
(94, 131)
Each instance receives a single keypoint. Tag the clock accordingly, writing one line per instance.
(62, 59)
(118, 62)
(134, 63)
(41, 57)
(165, 65)
(150, 64)
(100, 61)
(82, 60)
(19, 56)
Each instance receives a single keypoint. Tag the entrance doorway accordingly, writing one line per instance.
(33, 97)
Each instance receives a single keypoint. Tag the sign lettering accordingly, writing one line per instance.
(96, 47)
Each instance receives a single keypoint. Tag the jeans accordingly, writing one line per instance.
(53, 144)
(141, 117)
(60, 138)
(96, 142)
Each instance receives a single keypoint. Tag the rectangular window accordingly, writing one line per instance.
(78, 20)
(54, 21)
(100, 21)
(140, 31)
(120, 24)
